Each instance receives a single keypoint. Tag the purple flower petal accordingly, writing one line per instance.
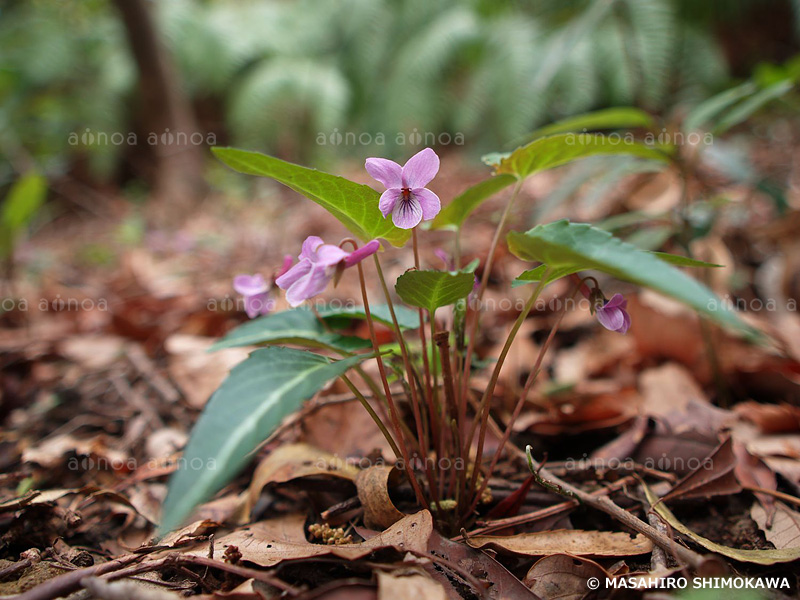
(617, 301)
(260, 304)
(310, 246)
(287, 264)
(286, 280)
(407, 213)
(366, 250)
(610, 318)
(308, 286)
(249, 285)
(420, 169)
(428, 201)
(449, 264)
(389, 200)
(329, 255)
(626, 323)
(388, 172)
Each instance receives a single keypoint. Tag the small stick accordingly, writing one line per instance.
(606, 505)
(65, 584)
(542, 513)
(658, 558)
(785, 497)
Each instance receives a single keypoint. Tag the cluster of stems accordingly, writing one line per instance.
(440, 447)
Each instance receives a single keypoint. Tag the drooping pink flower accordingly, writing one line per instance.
(612, 314)
(406, 197)
(317, 265)
(256, 294)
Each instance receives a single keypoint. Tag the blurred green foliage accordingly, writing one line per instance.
(286, 76)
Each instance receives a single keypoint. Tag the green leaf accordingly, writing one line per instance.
(760, 557)
(683, 261)
(432, 289)
(246, 409)
(534, 275)
(21, 204)
(554, 151)
(708, 109)
(295, 326)
(747, 107)
(579, 246)
(454, 214)
(406, 318)
(355, 205)
(609, 118)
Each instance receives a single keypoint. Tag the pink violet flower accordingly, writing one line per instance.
(406, 197)
(317, 265)
(612, 314)
(256, 294)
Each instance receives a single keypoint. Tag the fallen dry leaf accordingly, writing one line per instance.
(572, 541)
(373, 492)
(761, 557)
(412, 586)
(267, 543)
(564, 577)
(751, 471)
(784, 531)
(291, 462)
(770, 418)
(713, 477)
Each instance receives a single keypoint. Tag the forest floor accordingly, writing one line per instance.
(103, 348)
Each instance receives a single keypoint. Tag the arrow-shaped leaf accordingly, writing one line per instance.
(556, 150)
(249, 405)
(569, 247)
(355, 205)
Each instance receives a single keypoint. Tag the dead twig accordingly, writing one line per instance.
(606, 505)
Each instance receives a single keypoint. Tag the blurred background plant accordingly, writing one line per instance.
(290, 77)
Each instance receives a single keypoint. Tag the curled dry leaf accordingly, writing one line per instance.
(563, 576)
(290, 462)
(573, 541)
(373, 492)
(270, 542)
(784, 531)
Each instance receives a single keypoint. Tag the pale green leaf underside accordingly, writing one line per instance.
(249, 405)
(355, 205)
(578, 246)
(433, 289)
(406, 318)
(557, 150)
(534, 275)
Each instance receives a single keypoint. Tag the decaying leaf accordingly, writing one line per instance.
(295, 461)
(270, 542)
(713, 477)
(784, 531)
(412, 586)
(761, 557)
(373, 492)
(575, 542)
(564, 576)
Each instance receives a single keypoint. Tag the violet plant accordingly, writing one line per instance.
(422, 399)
